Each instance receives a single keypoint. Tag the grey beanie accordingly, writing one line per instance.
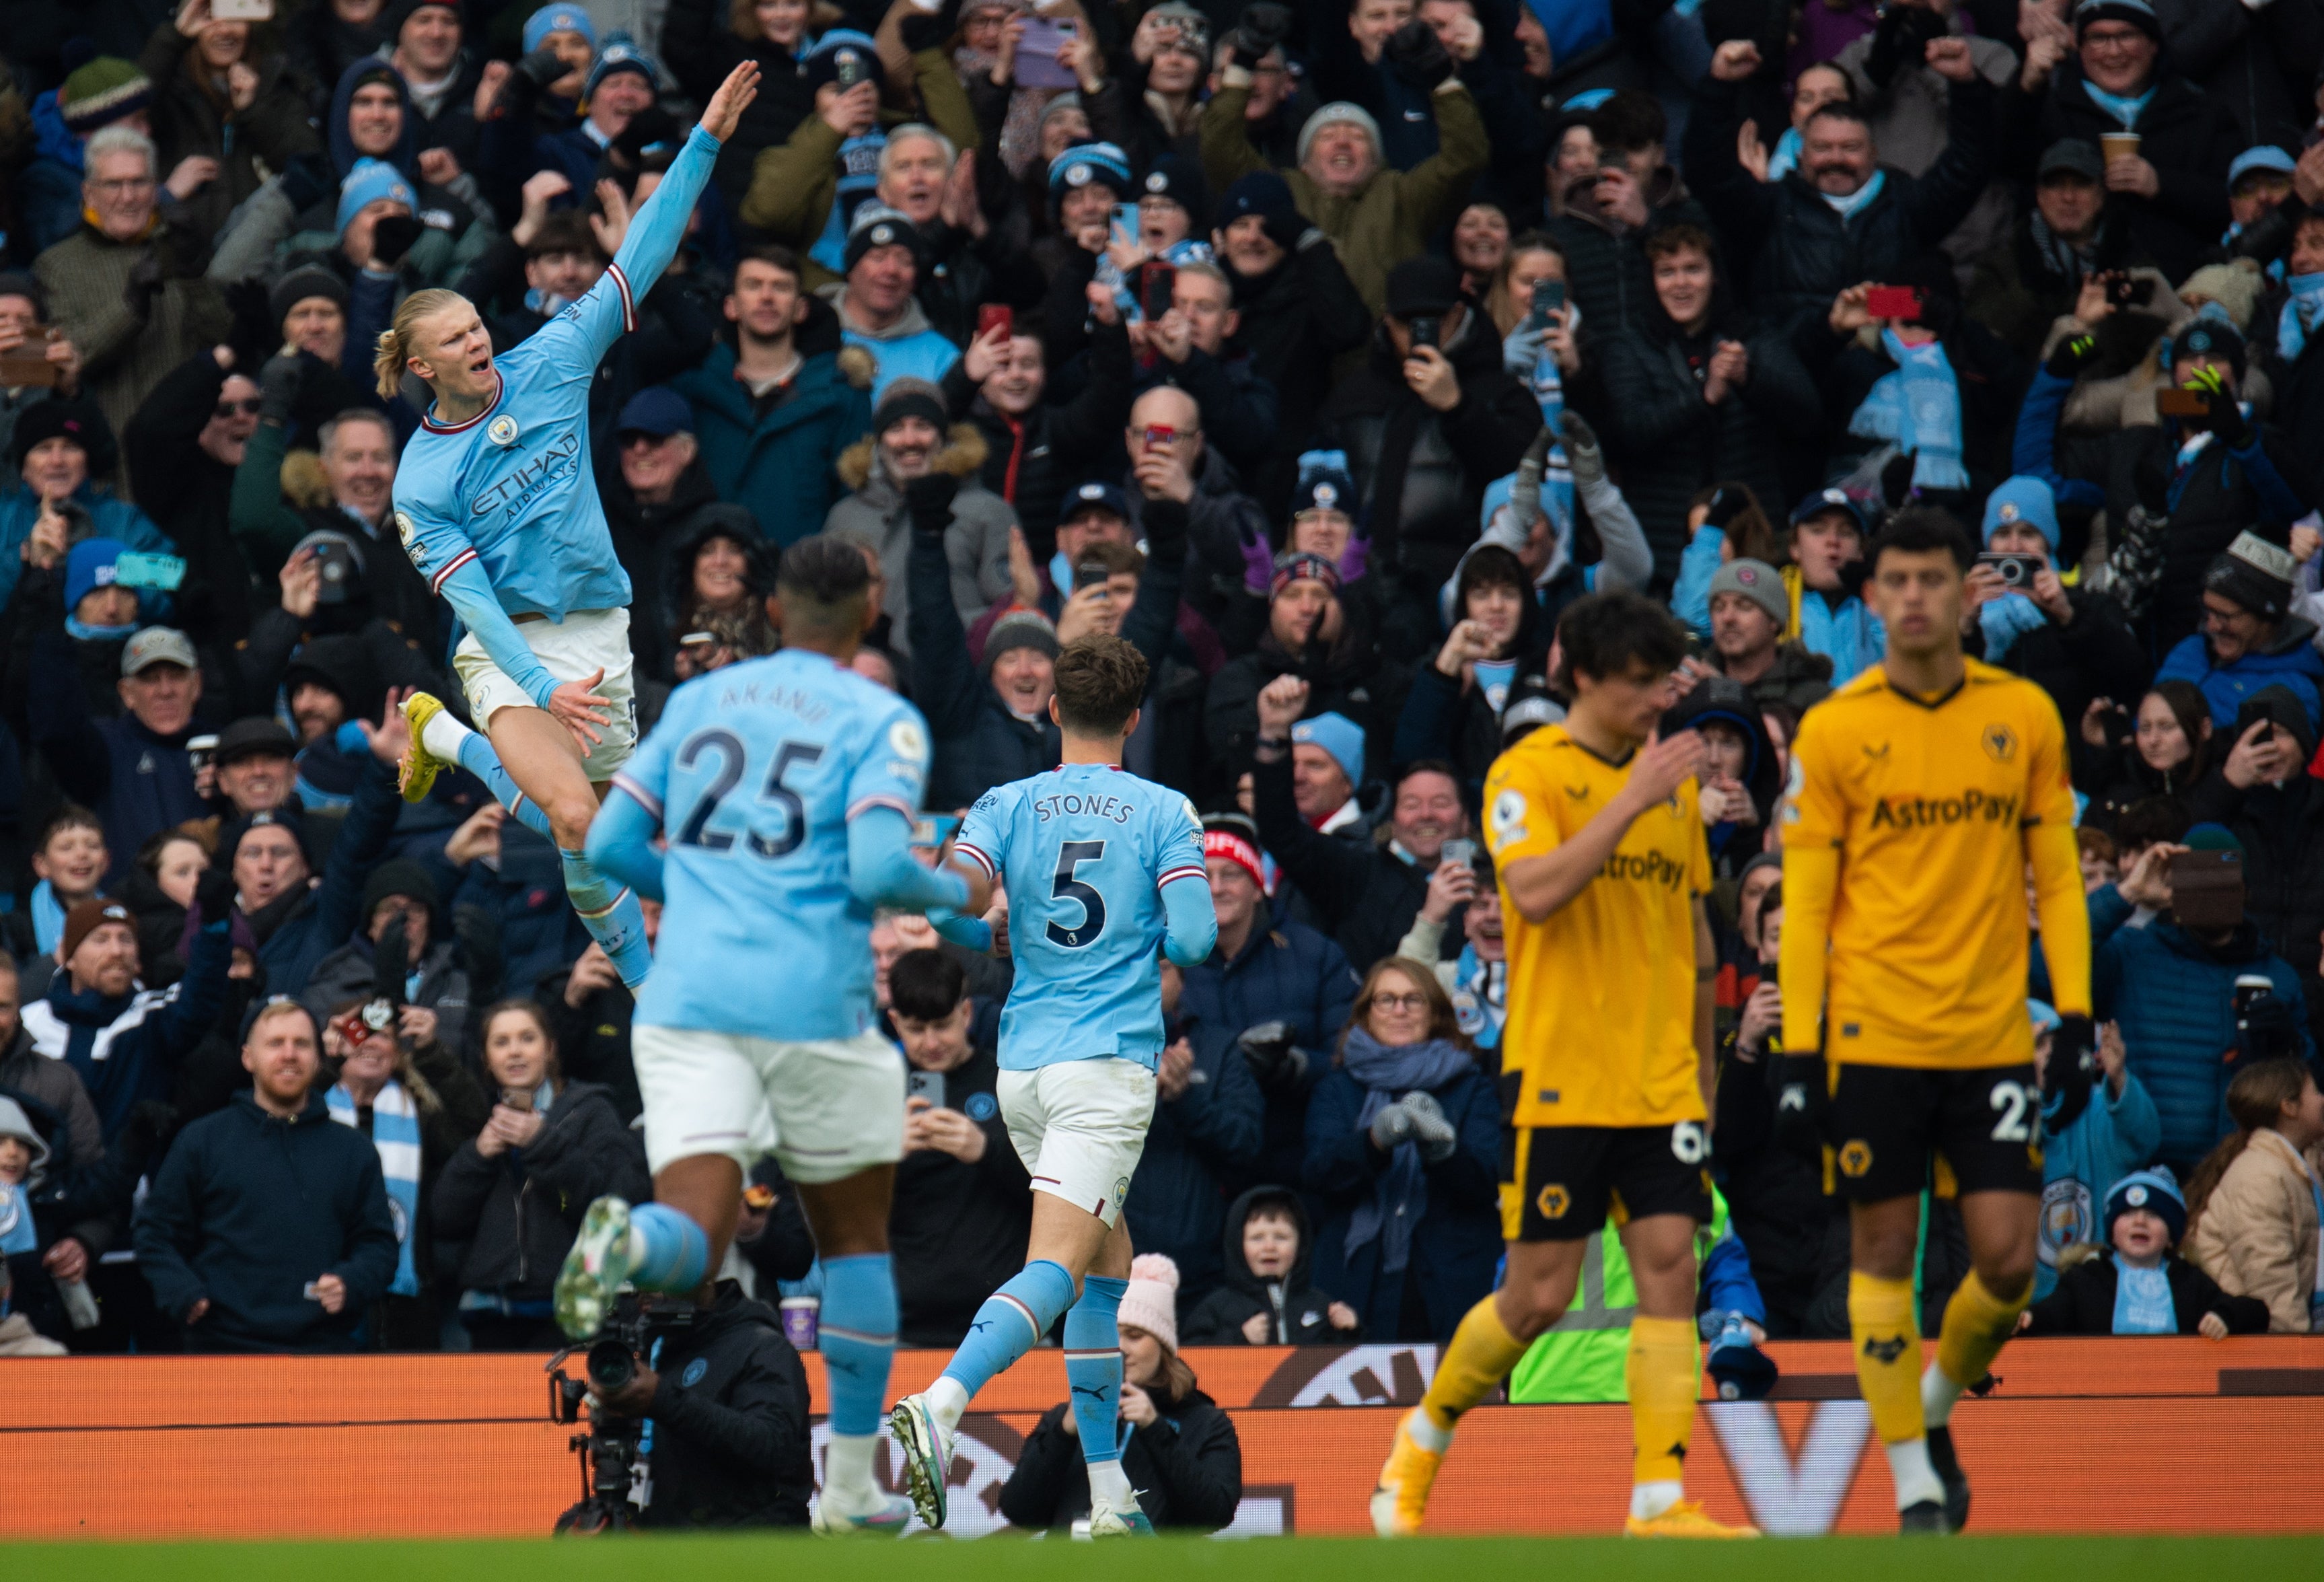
(1758, 581)
(1334, 113)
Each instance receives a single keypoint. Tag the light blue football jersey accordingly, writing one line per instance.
(1084, 850)
(754, 772)
(512, 488)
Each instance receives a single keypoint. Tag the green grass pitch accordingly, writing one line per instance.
(1843, 1560)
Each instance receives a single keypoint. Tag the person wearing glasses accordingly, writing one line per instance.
(1404, 1162)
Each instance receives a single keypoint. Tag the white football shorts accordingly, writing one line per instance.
(1080, 1126)
(825, 1108)
(584, 643)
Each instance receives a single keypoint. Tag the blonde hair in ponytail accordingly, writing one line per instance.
(2255, 1099)
(395, 347)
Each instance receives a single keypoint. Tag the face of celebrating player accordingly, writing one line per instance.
(1627, 706)
(455, 357)
(1918, 595)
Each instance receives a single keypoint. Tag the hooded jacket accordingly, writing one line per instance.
(2290, 661)
(909, 348)
(976, 545)
(2174, 997)
(731, 1426)
(657, 546)
(507, 1222)
(1296, 1309)
(249, 1209)
(783, 467)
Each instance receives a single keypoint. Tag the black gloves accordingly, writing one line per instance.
(1802, 1102)
(930, 500)
(922, 31)
(1275, 1062)
(2072, 354)
(543, 66)
(2073, 1063)
(278, 389)
(394, 234)
(1285, 228)
(213, 895)
(1901, 39)
(1166, 531)
(1260, 28)
(147, 279)
(1415, 54)
(306, 181)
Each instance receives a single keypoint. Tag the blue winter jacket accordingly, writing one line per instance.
(2291, 663)
(250, 1210)
(1457, 1244)
(126, 1049)
(2174, 997)
(110, 518)
(781, 466)
(320, 921)
(2079, 1166)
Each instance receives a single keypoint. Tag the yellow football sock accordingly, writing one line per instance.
(1887, 1353)
(1481, 1352)
(1976, 1325)
(1660, 1370)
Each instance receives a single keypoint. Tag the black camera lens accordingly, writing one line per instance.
(611, 1367)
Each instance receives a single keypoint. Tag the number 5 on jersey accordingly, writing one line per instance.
(1071, 855)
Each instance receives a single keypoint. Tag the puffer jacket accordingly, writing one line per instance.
(2257, 1236)
(2174, 997)
(976, 545)
(510, 1220)
(2290, 662)
(1298, 1312)
(1666, 443)
(1444, 459)
(780, 466)
(1797, 250)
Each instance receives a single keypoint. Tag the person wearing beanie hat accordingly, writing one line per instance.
(620, 54)
(102, 92)
(2077, 646)
(1756, 583)
(433, 991)
(58, 448)
(97, 609)
(1090, 168)
(372, 182)
(2251, 638)
(1180, 1451)
(1376, 213)
(2139, 1285)
(877, 308)
(1338, 735)
(310, 308)
(1174, 203)
(543, 27)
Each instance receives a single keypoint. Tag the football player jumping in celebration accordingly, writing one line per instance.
(1920, 793)
(497, 506)
(787, 787)
(1104, 872)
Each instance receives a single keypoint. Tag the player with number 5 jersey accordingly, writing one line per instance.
(1105, 874)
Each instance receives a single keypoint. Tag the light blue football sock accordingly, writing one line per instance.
(613, 917)
(856, 1329)
(1093, 1367)
(670, 1251)
(477, 757)
(1011, 1323)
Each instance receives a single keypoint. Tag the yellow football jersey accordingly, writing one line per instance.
(1929, 805)
(1601, 995)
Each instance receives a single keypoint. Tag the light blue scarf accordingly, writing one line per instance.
(2142, 1301)
(1548, 385)
(1400, 1199)
(1845, 207)
(1786, 157)
(48, 917)
(395, 1133)
(1481, 997)
(77, 628)
(1917, 408)
(2005, 620)
(2124, 109)
(2300, 314)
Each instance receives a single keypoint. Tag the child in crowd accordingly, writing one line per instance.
(1267, 1300)
(22, 1152)
(2139, 1285)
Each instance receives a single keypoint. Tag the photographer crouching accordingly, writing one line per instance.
(715, 1408)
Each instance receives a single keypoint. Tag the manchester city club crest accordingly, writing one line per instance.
(502, 430)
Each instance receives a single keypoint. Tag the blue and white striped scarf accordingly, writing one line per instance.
(395, 1133)
(1917, 408)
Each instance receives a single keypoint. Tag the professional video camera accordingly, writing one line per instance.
(616, 1466)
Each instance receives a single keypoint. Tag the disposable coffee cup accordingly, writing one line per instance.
(2119, 144)
(799, 1314)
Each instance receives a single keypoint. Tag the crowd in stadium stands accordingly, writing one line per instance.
(1325, 352)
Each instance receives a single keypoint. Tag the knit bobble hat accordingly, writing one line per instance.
(1152, 1302)
(1019, 629)
(107, 90)
(2153, 1191)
